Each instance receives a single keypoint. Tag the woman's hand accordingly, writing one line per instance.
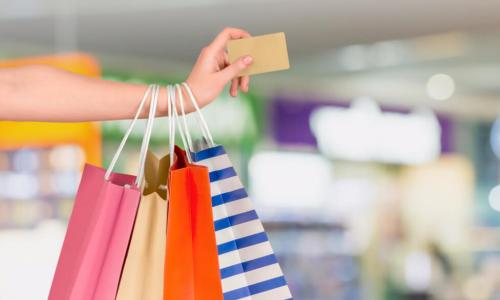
(212, 71)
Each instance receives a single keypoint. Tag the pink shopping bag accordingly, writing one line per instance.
(100, 226)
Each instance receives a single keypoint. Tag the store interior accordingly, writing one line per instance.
(373, 161)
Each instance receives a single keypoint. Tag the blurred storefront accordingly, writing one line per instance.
(394, 195)
(387, 203)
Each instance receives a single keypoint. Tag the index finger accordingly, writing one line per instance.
(220, 41)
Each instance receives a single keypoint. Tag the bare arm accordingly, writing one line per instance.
(41, 93)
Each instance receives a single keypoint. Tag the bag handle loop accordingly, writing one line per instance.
(147, 137)
(186, 141)
(154, 91)
(201, 119)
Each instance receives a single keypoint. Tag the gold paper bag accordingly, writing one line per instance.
(142, 276)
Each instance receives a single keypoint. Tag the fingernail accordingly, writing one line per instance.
(247, 59)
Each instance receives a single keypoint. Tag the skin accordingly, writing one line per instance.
(43, 93)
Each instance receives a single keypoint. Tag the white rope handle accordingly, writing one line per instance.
(127, 133)
(179, 125)
(184, 122)
(201, 119)
(147, 135)
(171, 126)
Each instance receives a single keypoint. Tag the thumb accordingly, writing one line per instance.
(232, 71)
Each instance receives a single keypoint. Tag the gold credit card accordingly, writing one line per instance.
(268, 51)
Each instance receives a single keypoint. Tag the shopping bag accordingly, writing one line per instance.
(191, 266)
(142, 276)
(100, 225)
(248, 267)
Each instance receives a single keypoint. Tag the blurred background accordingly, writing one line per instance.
(373, 161)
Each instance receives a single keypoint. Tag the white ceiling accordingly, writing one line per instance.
(163, 36)
(153, 28)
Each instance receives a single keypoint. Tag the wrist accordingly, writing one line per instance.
(162, 108)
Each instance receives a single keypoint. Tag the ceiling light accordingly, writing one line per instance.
(440, 86)
(495, 137)
(494, 198)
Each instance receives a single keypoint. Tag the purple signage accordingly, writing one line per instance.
(290, 120)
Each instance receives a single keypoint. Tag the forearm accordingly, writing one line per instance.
(41, 93)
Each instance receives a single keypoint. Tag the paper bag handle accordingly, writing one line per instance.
(154, 90)
(201, 120)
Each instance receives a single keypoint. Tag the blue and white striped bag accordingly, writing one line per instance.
(249, 269)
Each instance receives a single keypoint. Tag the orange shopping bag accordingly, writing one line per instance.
(191, 263)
